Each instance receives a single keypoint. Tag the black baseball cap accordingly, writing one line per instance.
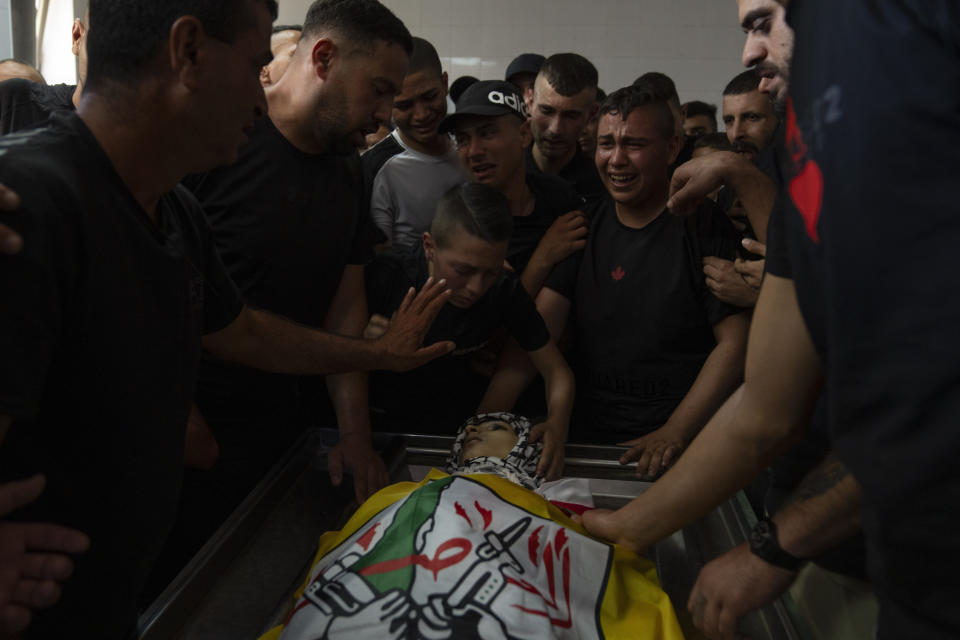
(524, 63)
(487, 98)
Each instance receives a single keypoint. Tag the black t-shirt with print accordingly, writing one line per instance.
(100, 330)
(642, 316)
(445, 390)
(871, 230)
(25, 104)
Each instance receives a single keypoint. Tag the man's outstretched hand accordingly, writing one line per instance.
(654, 452)
(402, 340)
(33, 560)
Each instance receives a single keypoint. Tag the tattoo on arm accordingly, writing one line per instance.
(823, 478)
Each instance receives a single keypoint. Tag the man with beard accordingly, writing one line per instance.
(564, 101)
(416, 164)
(751, 126)
(748, 115)
(118, 284)
(291, 223)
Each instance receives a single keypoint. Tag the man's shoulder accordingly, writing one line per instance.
(45, 152)
(378, 155)
(15, 88)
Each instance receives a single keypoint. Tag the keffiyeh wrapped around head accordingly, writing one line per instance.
(520, 465)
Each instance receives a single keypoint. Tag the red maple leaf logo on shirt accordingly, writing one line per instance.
(618, 274)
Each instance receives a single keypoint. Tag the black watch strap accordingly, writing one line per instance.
(764, 545)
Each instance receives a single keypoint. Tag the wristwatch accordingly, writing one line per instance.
(764, 545)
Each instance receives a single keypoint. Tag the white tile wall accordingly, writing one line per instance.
(696, 42)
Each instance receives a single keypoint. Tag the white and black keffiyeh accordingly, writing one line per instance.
(520, 465)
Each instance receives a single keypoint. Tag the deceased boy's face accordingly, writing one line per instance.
(493, 438)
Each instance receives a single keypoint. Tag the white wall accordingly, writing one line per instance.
(6, 31)
(696, 42)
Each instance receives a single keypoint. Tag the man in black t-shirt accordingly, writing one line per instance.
(656, 352)
(564, 101)
(291, 220)
(492, 133)
(466, 245)
(104, 307)
(25, 104)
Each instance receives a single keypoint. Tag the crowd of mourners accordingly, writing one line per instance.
(229, 232)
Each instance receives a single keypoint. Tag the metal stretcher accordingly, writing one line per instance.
(241, 582)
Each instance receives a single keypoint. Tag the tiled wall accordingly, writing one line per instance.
(697, 42)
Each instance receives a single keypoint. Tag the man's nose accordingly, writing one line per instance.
(754, 50)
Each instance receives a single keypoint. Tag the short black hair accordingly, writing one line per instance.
(699, 108)
(125, 35)
(478, 209)
(280, 28)
(743, 83)
(625, 101)
(718, 141)
(359, 22)
(569, 73)
(662, 85)
(424, 58)
(461, 84)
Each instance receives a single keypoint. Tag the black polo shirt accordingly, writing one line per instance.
(580, 173)
(100, 329)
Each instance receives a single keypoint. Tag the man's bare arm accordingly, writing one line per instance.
(770, 410)
(265, 341)
(349, 394)
(694, 180)
(559, 383)
(515, 371)
(823, 511)
(718, 378)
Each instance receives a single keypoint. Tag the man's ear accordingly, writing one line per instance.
(526, 136)
(429, 246)
(446, 83)
(323, 56)
(187, 47)
(76, 36)
(265, 76)
(673, 149)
